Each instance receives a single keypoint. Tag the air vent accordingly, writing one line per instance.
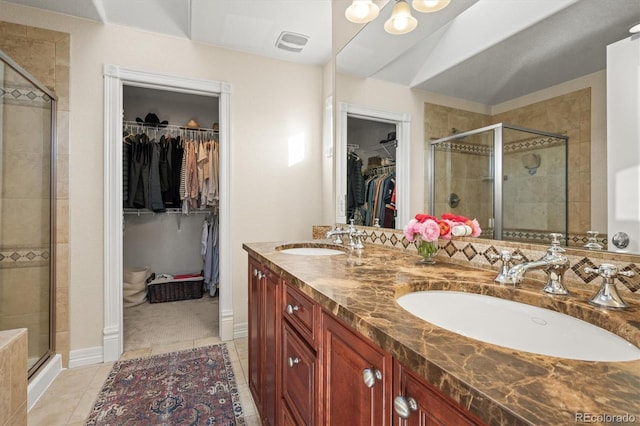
(291, 42)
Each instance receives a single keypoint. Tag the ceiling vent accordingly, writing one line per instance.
(291, 42)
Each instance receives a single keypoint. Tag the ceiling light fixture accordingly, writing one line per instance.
(362, 11)
(401, 21)
(428, 6)
(635, 29)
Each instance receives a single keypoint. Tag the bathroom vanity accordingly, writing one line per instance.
(329, 344)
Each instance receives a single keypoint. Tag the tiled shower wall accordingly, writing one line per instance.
(568, 115)
(45, 55)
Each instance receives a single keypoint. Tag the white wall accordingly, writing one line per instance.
(270, 200)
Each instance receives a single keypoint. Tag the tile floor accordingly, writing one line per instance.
(70, 398)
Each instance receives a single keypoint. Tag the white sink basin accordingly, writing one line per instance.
(312, 251)
(518, 326)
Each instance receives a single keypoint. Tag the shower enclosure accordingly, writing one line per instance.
(27, 150)
(527, 200)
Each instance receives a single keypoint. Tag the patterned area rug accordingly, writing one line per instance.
(191, 387)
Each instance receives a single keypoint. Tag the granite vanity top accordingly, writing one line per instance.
(499, 385)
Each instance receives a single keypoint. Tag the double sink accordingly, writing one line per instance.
(502, 322)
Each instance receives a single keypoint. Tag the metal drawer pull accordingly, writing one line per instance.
(293, 361)
(404, 406)
(292, 308)
(370, 375)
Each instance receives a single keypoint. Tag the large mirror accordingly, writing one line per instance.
(538, 64)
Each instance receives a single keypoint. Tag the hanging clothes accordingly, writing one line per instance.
(355, 186)
(211, 255)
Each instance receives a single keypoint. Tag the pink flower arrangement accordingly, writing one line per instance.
(430, 228)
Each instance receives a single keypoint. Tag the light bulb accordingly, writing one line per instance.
(362, 11)
(401, 21)
(429, 5)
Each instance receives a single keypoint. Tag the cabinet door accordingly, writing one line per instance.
(418, 402)
(264, 340)
(299, 369)
(255, 335)
(357, 377)
(271, 344)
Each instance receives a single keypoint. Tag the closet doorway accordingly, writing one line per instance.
(170, 239)
(116, 78)
(371, 168)
(369, 134)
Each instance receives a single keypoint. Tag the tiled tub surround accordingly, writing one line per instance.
(500, 385)
(13, 377)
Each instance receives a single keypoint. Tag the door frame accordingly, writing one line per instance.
(115, 77)
(403, 126)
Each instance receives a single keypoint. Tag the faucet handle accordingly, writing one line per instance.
(607, 296)
(607, 270)
(506, 257)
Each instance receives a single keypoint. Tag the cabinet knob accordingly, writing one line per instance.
(293, 361)
(292, 308)
(255, 272)
(404, 406)
(370, 375)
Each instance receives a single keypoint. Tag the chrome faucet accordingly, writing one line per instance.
(607, 296)
(337, 233)
(355, 236)
(554, 264)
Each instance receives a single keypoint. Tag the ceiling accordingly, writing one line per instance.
(491, 51)
(251, 26)
(487, 51)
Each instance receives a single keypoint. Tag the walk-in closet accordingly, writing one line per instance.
(371, 172)
(170, 199)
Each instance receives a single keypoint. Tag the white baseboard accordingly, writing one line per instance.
(39, 383)
(241, 330)
(87, 356)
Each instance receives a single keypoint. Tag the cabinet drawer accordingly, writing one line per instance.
(301, 312)
(299, 367)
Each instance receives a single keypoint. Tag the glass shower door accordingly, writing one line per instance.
(26, 206)
(463, 177)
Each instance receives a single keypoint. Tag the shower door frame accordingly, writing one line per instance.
(53, 152)
(498, 146)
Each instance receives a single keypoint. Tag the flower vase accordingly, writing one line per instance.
(427, 250)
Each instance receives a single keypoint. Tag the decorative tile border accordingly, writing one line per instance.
(24, 257)
(521, 145)
(24, 96)
(479, 252)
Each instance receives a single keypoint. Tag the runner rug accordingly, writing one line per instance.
(190, 387)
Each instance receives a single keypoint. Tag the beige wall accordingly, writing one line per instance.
(271, 100)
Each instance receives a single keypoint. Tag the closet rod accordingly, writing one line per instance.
(140, 212)
(166, 127)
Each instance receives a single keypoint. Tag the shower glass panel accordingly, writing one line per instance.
(463, 177)
(27, 113)
(527, 203)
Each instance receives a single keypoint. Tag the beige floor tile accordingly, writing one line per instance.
(173, 347)
(135, 353)
(207, 341)
(252, 420)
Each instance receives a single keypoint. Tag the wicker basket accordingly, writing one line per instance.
(170, 291)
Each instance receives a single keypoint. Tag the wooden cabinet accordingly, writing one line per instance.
(307, 367)
(264, 340)
(357, 377)
(418, 403)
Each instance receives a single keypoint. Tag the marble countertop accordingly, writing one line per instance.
(499, 385)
